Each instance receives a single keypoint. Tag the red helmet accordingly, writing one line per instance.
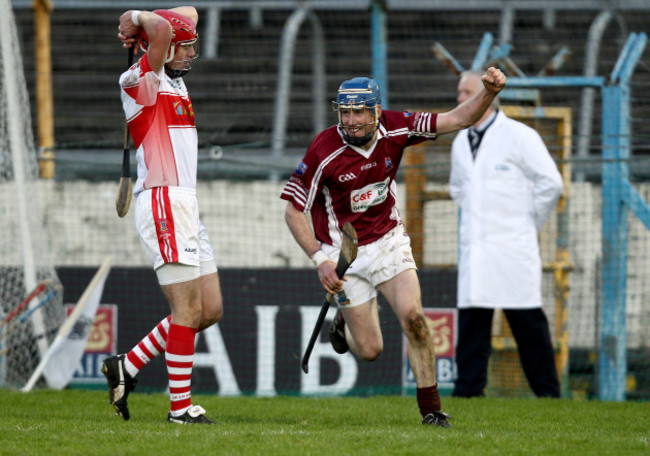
(183, 29)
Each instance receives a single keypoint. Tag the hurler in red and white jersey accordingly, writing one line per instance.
(161, 121)
(348, 175)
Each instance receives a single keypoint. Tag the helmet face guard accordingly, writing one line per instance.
(183, 34)
(187, 63)
(358, 94)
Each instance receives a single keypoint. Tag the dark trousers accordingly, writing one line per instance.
(530, 330)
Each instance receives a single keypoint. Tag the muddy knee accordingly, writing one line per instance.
(417, 329)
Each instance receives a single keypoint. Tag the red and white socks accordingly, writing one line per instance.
(152, 345)
(179, 357)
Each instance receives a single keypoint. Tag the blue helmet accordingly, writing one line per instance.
(358, 91)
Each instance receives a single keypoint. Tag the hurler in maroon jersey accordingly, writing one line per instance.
(348, 175)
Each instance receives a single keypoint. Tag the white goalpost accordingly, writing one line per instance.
(29, 313)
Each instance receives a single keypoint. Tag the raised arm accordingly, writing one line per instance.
(158, 30)
(469, 112)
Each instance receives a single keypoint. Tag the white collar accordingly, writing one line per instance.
(485, 125)
(365, 153)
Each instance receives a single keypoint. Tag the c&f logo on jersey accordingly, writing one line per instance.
(389, 162)
(370, 195)
(300, 170)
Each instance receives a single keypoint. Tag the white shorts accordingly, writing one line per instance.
(375, 264)
(170, 273)
(167, 221)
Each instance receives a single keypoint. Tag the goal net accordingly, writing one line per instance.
(29, 313)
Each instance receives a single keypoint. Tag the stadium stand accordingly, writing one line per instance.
(234, 93)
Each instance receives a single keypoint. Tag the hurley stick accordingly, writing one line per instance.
(349, 245)
(125, 189)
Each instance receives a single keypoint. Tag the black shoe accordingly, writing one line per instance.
(194, 415)
(337, 334)
(120, 384)
(437, 419)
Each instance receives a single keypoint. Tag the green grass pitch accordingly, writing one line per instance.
(76, 422)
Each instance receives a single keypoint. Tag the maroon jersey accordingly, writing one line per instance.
(337, 183)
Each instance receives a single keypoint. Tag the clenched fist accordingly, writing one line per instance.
(494, 80)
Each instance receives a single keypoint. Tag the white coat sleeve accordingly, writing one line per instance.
(455, 175)
(543, 173)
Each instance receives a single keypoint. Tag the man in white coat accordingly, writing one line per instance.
(506, 185)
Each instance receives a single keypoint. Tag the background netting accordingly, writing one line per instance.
(26, 258)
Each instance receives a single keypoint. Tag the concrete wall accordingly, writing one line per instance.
(246, 224)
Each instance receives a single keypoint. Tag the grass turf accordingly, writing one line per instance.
(76, 422)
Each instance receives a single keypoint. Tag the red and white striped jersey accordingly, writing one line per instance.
(337, 183)
(161, 121)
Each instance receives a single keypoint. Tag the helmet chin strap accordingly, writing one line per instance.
(358, 141)
(176, 73)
